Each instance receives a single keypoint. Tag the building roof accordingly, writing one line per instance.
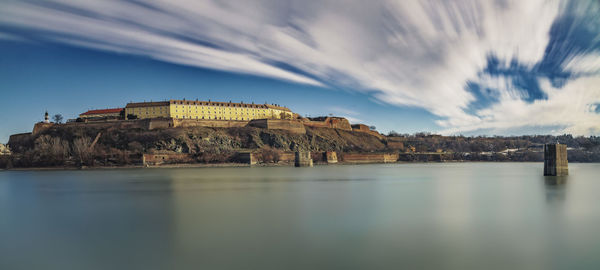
(147, 104)
(205, 103)
(103, 111)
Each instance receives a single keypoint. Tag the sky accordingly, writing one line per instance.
(472, 67)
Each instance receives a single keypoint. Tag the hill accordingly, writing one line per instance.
(68, 145)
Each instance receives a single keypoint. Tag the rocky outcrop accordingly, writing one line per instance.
(202, 140)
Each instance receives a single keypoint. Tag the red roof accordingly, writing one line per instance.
(105, 111)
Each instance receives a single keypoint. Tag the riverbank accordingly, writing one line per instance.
(242, 165)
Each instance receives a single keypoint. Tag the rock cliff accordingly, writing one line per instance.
(60, 143)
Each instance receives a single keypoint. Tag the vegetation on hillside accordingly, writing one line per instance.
(64, 145)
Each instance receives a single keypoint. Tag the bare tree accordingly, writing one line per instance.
(58, 118)
(50, 150)
(82, 150)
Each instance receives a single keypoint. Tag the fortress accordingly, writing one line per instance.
(186, 113)
(186, 109)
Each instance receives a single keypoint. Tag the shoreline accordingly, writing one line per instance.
(243, 165)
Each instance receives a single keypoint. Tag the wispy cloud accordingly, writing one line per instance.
(405, 53)
(11, 37)
(345, 111)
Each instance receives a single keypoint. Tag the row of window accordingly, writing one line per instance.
(219, 104)
(214, 118)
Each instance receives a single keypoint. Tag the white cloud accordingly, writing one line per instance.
(572, 108)
(406, 53)
(584, 63)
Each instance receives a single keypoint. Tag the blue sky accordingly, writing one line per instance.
(454, 67)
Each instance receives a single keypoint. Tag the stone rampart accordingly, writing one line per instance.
(41, 126)
(17, 141)
(208, 123)
(158, 159)
(293, 126)
(365, 129)
(327, 122)
(287, 157)
(369, 157)
(120, 124)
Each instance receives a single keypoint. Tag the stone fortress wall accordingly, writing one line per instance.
(294, 125)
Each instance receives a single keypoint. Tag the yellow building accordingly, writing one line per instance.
(206, 110)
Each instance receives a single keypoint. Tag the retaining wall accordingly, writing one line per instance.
(293, 126)
(328, 122)
(369, 158)
(157, 159)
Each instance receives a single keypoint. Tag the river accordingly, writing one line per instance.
(382, 216)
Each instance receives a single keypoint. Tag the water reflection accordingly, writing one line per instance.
(556, 188)
(417, 216)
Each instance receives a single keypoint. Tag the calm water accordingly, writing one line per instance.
(451, 216)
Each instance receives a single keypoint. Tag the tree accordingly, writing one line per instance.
(82, 150)
(57, 118)
(373, 128)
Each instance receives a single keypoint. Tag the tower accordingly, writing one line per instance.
(46, 118)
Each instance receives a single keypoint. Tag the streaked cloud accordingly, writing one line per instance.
(406, 53)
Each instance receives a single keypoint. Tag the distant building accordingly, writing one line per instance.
(105, 113)
(206, 110)
(4, 150)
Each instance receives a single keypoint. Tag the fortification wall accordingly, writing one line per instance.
(328, 122)
(287, 157)
(17, 139)
(159, 123)
(157, 159)
(293, 126)
(208, 123)
(369, 158)
(41, 126)
(120, 124)
(365, 129)
(424, 157)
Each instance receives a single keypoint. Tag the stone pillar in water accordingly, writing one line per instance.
(555, 160)
(303, 159)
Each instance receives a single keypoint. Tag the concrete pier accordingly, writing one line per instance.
(555, 160)
(303, 159)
